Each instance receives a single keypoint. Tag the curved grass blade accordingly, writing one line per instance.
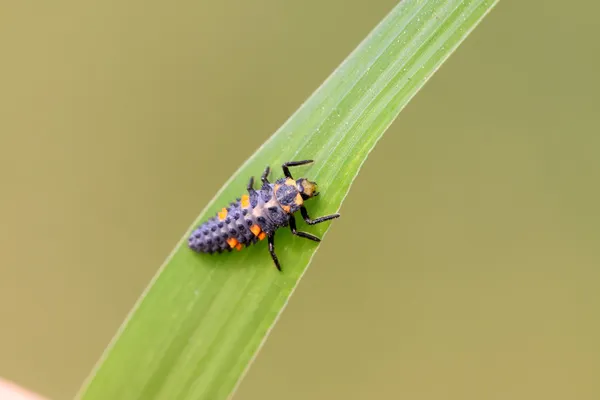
(202, 319)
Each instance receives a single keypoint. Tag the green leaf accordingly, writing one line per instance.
(202, 319)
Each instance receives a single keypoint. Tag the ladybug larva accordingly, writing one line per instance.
(258, 214)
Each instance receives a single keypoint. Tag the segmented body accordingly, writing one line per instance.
(249, 219)
(258, 214)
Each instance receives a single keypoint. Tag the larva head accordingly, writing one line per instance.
(307, 188)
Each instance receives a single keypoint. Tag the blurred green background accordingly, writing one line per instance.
(466, 264)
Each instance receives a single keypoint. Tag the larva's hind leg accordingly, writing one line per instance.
(271, 240)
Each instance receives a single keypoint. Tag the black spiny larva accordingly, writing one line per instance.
(258, 214)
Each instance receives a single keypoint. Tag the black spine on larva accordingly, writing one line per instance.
(212, 236)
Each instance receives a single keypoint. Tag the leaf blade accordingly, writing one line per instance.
(202, 318)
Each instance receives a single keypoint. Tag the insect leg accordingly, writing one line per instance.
(250, 186)
(285, 166)
(271, 239)
(265, 176)
(309, 221)
(292, 221)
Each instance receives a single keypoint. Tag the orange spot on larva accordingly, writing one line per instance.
(232, 242)
(222, 214)
(287, 209)
(255, 229)
(298, 200)
(262, 235)
(290, 182)
(238, 246)
(245, 201)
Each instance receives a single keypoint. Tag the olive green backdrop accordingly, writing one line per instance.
(466, 264)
